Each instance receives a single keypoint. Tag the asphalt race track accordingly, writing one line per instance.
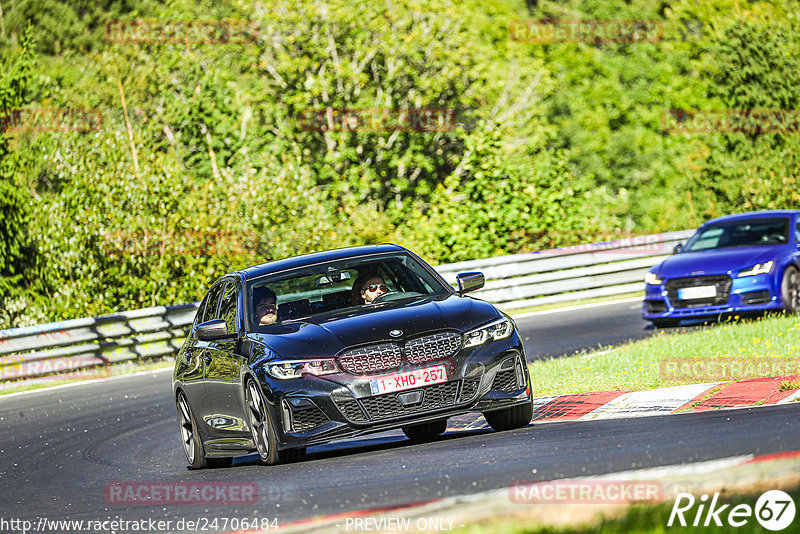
(558, 332)
(61, 447)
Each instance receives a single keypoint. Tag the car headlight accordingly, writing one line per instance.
(499, 329)
(758, 268)
(652, 279)
(287, 369)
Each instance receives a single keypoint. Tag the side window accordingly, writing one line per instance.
(212, 303)
(200, 310)
(797, 231)
(228, 308)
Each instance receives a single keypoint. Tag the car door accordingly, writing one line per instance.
(192, 368)
(224, 365)
(196, 358)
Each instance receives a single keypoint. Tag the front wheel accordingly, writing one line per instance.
(425, 431)
(262, 431)
(192, 445)
(191, 440)
(790, 290)
(260, 424)
(510, 418)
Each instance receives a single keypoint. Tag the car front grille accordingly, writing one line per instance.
(374, 358)
(505, 381)
(388, 405)
(433, 347)
(305, 420)
(389, 356)
(721, 282)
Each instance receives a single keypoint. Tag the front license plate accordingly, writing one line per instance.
(701, 292)
(408, 380)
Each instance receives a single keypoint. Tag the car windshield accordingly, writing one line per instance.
(329, 287)
(746, 233)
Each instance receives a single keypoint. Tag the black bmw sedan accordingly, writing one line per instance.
(331, 345)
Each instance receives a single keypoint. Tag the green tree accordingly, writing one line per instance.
(754, 67)
(18, 256)
(497, 202)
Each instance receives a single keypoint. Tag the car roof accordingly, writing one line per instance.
(753, 215)
(305, 260)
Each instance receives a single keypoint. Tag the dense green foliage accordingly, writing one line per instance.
(228, 153)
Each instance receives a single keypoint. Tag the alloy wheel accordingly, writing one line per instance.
(187, 431)
(257, 414)
(793, 291)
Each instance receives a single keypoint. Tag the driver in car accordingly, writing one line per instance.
(372, 289)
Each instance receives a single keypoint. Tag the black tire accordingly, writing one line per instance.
(192, 445)
(790, 290)
(666, 323)
(425, 431)
(263, 432)
(510, 418)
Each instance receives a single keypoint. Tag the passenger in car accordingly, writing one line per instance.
(266, 305)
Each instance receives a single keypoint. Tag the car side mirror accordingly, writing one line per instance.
(677, 248)
(213, 329)
(469, 282)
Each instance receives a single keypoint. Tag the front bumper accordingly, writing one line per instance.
(315, 410)
(737, 296)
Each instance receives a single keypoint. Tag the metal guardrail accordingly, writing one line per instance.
(569, 273)
(77, 348)
(80, 347)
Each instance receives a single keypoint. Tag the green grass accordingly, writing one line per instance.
(637, 519)
(789, 384)
(769, 346)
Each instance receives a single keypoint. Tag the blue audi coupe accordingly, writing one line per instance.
(741, 264)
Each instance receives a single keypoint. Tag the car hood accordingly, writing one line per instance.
(327, 335)
(719, 261)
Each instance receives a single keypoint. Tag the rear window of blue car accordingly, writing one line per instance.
(743, 233)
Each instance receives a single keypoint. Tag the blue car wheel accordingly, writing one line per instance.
(790, 290)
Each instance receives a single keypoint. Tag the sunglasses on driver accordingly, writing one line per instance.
(374, 287)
